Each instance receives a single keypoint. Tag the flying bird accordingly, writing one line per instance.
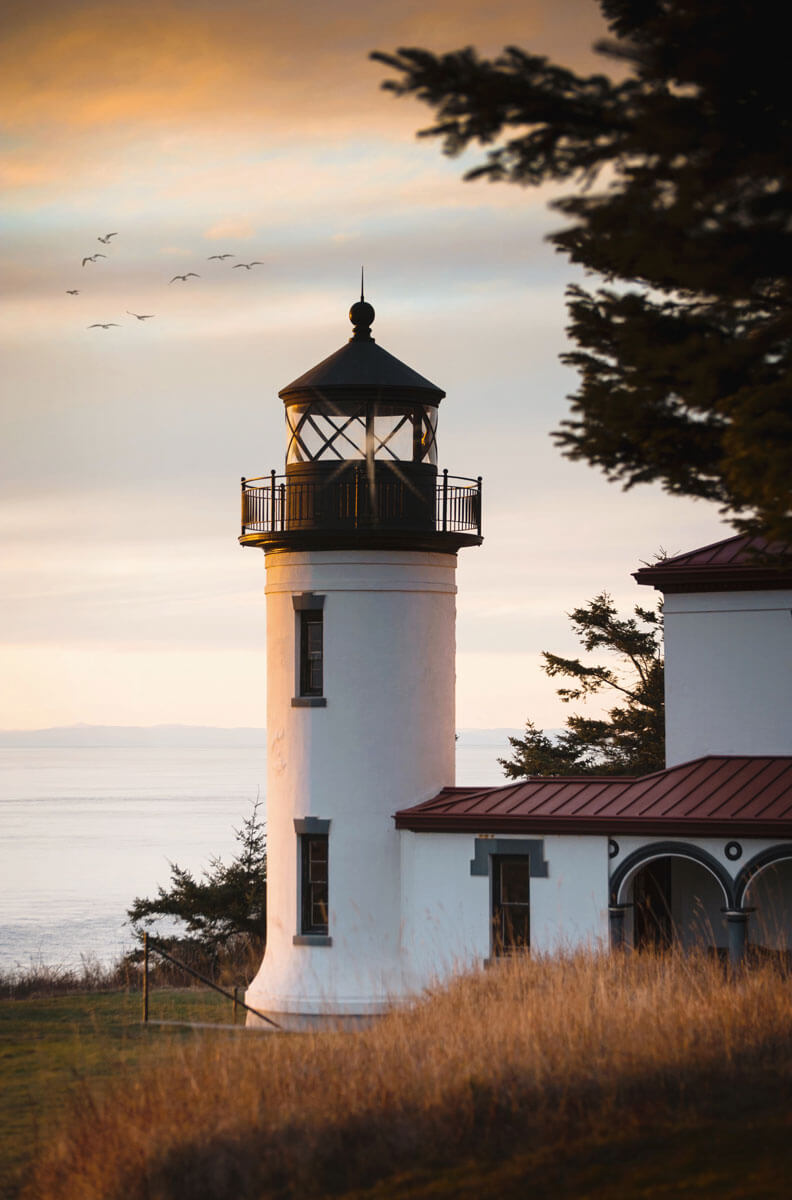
(143, 316)
(93, 257)
(99, 325)
(106, 239)
(184, 278)
(72, 291)
(247, 266)
(211, 256)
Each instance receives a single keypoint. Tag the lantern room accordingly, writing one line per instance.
(361, 459)
(363, 406)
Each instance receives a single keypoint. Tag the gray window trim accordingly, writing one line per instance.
(311, 825)
(307, 601)
(532, 848)
(311, 939)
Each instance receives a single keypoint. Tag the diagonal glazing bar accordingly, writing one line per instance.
(341, 432)
(383, 442)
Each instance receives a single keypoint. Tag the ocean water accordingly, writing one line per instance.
(85, 830)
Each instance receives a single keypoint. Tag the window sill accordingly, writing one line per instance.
(309, 702)
(311, 939)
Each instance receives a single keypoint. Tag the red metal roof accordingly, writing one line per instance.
(717, 795)
(739, 563)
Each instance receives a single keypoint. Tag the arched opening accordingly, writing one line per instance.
(675, 901)
(769, 894)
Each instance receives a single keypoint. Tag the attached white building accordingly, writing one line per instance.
(383, 876)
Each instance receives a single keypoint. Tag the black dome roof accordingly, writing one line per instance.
(363, 370)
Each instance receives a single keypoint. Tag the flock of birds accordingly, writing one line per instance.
(106, 241)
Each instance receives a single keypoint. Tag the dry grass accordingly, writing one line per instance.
(46, 979)
(230, 966)
(521, 1058)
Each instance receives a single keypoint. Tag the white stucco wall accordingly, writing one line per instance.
(384, 741)
(728, 674)
(447, 911)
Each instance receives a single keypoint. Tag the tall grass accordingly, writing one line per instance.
(230, 965)
(529, 1054)
(56, 979)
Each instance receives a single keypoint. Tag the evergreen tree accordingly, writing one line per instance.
(631, 740)
(682, 200)
(228, 904)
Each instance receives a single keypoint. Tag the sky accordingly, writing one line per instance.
(259, 129)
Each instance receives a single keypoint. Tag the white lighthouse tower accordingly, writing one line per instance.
(360, 538)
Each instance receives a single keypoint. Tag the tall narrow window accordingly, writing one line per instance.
(511, 903)
(311, 652)
(314, 884)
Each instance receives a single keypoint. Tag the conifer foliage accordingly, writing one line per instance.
(229, 902)
(631, 739)
(681, 199)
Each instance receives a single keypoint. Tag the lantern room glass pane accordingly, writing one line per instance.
(393, 437)
(428, 436)
(315, 432)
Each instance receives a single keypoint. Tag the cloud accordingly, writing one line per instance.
(269, 71)
(187, 125)
(230, 228)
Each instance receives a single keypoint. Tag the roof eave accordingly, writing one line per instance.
(603, 826)
(364, 392)
(714, 579)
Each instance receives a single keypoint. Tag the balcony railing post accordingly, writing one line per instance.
(356, 517)
(244, 514)
(272, 500)
(283, 505)
(478, 508)
(445, 498)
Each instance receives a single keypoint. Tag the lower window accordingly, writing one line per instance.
(511, 903)
(313, 883)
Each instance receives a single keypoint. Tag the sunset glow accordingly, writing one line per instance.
(259, 129)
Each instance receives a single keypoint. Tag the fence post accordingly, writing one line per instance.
(272, 500)
(236, 1002)
(445, 498)
(145, 978)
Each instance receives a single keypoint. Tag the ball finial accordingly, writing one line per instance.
(361, 314)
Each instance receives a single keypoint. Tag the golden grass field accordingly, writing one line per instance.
(584, 1075)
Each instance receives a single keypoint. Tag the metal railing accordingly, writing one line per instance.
(451, 504)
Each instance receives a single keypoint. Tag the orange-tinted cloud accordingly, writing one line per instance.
(283, 63)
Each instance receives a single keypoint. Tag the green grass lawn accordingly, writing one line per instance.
(49, 1046)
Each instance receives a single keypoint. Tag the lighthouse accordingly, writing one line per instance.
(360, 535)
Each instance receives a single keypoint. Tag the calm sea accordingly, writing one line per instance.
(85, 830)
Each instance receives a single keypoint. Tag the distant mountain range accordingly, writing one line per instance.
(187, 735)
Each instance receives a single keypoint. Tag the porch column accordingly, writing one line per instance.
(616, 915)
(736, 930)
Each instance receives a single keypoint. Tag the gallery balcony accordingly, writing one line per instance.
(398, 509)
